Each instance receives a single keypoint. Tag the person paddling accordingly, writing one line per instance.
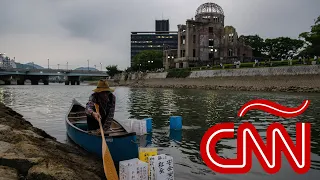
(104, 97)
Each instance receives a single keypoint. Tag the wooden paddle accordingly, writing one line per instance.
(108, 164)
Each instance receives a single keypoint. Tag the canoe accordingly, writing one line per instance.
(121, 143)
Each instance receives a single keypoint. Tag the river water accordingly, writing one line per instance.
(46, 106)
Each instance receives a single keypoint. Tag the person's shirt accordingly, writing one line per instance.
(109, 105)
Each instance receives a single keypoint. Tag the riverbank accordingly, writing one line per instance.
(27, 152)
(305, 78)
(300, 83)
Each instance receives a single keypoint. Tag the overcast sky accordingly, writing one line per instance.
(99, 30)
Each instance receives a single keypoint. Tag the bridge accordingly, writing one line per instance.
(35, 75)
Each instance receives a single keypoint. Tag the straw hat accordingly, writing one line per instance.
(103, 86)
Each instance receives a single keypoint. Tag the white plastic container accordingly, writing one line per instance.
(133, 169)
(161, 167)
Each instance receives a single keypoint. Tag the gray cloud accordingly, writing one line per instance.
(99, 30)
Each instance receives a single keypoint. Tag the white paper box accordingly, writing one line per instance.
(139, 127)
(161, 167)
(133, 169)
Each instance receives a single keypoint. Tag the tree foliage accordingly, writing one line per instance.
(112, 70)
(148, 60)
(282, 46)
(277, 47)
(312, 39)
(256, 42)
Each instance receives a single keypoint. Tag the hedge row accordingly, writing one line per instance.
(250, 65)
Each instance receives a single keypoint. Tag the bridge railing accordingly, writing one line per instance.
(54, 71)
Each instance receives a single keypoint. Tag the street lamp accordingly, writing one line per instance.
(48, 63)
(58, 66)
(101, 66)
(67, 65)
(88, 64)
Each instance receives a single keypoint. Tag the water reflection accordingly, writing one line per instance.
(205, 108)
(45, 107)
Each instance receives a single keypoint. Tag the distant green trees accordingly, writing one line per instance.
(307, 44)
(273, 48)
(257, 44)
(113, 70)
(148, 60)
(282, 47)
(312, 39)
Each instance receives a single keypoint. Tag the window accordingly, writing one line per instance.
(194, 38)
(194, 53)
(210, 29)
(211, 42)
(210, 56)
(215, 19)
(182, 38)
(230, 52)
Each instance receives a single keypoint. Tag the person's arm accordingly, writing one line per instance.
(90, 108)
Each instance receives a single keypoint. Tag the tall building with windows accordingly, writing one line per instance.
(162, 26)
(6, 62)
(153, 40)
(206, 40)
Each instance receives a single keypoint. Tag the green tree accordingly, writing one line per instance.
(256, 42)
(112, 70)
(148, 60)
(312, 39)
(282, 46)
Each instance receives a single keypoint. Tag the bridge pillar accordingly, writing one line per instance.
(45, 80)
(20, 82)
(7, 82)
(34, 82)
(73, 80)
(6, 79)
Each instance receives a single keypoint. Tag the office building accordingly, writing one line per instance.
(154, 40)
(162, 26)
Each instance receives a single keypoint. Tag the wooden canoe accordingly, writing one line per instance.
(121, 143)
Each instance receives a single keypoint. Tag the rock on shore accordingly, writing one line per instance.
(27, 152)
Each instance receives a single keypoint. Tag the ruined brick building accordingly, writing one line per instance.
(206, 41)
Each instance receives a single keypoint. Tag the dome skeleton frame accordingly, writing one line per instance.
(209, 8)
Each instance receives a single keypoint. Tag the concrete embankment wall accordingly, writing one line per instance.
(265, 71)
(289, 78)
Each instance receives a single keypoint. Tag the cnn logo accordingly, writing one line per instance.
(249, 141)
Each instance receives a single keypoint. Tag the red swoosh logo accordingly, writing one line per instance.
(273, 108)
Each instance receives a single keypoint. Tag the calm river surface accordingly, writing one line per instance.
(46, 106)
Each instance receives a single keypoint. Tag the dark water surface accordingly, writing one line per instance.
(46, 106)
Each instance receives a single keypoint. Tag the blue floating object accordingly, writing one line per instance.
(149, 139)
(149, 124)
(176, 135)
(176, 122)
